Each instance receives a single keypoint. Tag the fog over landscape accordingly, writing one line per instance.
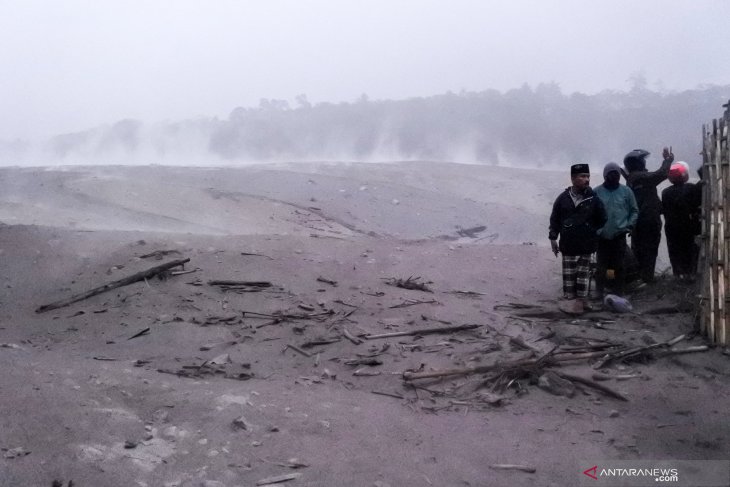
(520, 83)
(306, 243)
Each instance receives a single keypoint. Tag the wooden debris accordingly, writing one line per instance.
(280, 315)
(636, 351)
(389, 394)
(365, 373)
(140, 333)
(508, 466)
(278, 479)
(327, 281)
(323, 341)
(221, 320)
(413, 302)
(241, 286)
(297, 349)
(410, 283)
(140, 276)
(556, 384)
(677, 351)
(519, 342)
(221, 282)
(351, 337)
(207, 369)
(375, 352)
(515, 306)
(467, 294)
(425, 331)
(470, 232)
(179, 273)
(159, 254)
(508, 365)
(272, 322)
(371, 361)
(605, 377)
(594, 385)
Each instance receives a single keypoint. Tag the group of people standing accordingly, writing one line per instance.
(586, 221)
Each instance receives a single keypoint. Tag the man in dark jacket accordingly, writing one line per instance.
(648, 233)
(681, 207)
(577, 216)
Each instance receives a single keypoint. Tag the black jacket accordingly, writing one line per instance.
(577, 226)
(644, 183)
(681, 207)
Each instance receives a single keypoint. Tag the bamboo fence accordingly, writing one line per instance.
(714, 251)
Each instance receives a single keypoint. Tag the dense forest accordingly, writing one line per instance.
(527, 126)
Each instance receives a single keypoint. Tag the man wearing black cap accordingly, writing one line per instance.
(577, 216)
(648, 233)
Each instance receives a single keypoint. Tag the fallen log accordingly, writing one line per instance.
(140, 276)
(425, 331)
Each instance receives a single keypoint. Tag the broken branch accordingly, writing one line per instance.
(140, 276)
(425, 331)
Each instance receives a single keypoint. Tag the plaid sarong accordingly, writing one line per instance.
(576, 275)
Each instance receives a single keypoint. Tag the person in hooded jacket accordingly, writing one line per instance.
(681, 207)
(648, 232)
(576, 217)
(622, 213)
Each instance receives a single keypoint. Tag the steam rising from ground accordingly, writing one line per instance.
(523, 127)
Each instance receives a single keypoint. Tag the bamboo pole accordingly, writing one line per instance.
(725, 168)
(705, 241)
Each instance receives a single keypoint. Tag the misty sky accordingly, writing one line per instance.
(73, 64)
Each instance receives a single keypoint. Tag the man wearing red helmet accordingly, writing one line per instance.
(680, 206)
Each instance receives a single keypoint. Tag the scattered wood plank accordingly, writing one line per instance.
(413, 302)
(425, 331)
(159, 254)
(546, 360)
(515, 306)
(410, 283)
(278, 479)
(140, 276)
(467, 294)
(323, 341)
(351, 337)
(636, 351)
(327, 281)
(241, 286)
(594, 385)
(389, 394)
(677, 351)
(140, 333)
(297, 349)
(371, 361)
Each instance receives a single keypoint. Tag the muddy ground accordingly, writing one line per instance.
(177, 382)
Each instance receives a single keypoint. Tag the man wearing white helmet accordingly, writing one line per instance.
(680, 206)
